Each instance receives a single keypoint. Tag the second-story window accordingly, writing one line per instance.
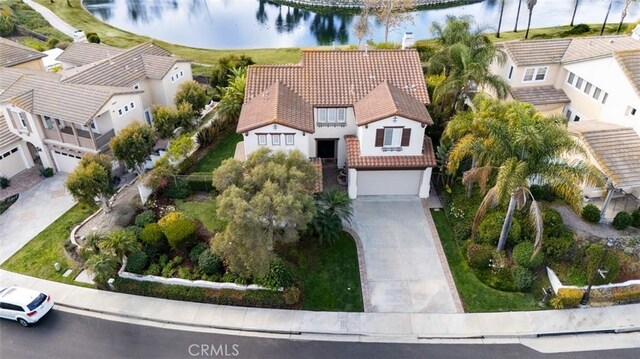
(262, 140)
(288, 139)
(571, 78)
(535, 74)
(332, 116)
(275, 139)
(48, 122)
(23, 119)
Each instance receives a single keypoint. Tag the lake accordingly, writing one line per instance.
(237, 24)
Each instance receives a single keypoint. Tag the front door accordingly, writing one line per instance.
(326, 149)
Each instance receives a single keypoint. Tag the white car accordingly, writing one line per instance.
(23, 305)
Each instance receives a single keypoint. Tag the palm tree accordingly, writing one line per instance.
(515, 28)
(232, 96)
(103, 265)
(575, 9)
(530, 5)
(500, 21)
(606, 17)
(624, 14)
(120, 243)
(524, 147)
(464, 57)
(333, 208)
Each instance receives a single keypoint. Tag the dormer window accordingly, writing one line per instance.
(332, 116)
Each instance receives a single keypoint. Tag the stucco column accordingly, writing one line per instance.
(353, 183)
(425, 185)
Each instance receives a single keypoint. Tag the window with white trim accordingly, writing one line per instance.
(275, 139)
(262, 140)
(392, 137)
(571, 78)
(48, 122)
(332, 116)
(289, 139)
(120, 111)
(596, 93)
(322, 115)
(631, 111)
(579, 83)
(23, 119)
(587, 88)
(534, 74)
(604, 98)
(132, 106)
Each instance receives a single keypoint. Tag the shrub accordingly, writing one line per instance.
(8, 202)
(137, 231)
(209, 263)
(552, 221)
(523, 278)
(542, 193)
(206, 136)
(196, 251)
(491, 226)
(568, 298)
(137, 262)
(153, 237)
(171, 267)
(154, 269)
(93, 38)
(144, 218)
(576, 30)
(627, 294)
(199, 182)
(593, 255)
(178, 190)
(635, 218)
(279, 276)
(479, 255)
(179, 230)
(622, 221)
(558, 247)
(291, 295)
(52, 43)
(591, 213)
(523, 256)
(461, 230)
(46, 172)
(4, 182)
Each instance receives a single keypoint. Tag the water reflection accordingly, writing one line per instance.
(262, 23)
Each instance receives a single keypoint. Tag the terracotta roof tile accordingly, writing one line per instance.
(357, 161)
(387, 100)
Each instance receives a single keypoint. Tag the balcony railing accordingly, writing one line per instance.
(104, 139)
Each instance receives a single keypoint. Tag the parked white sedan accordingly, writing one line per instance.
(23, 305)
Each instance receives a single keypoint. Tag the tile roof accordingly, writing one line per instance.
(342, 78)
(357, 161)
(43, 95)
(629, 62)
(13, 53)
(6, 137)
(125, 69)
(83, 53)
(276, 104)
(539, 95)
(387, 100)
(615, 148)
(556, 51)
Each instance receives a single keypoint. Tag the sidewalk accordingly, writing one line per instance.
(353, 326)
(52, 18)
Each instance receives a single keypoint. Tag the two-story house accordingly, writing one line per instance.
(54, 119)
(361, 109)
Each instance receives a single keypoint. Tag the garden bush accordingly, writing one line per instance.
(179, 230)
(523, 256)
(196, 251)
(557, 247)
(591, 213)
(523, 278)
(279, 276)
(593, 254)
(153, 237)
(568, 298)
(542, 193)
(479, 255)
(209, 263)
(137, 231)
(177, 189)
(622, 221)
(93, 38)
(552, 221)
(4, 182)
(46, 172)
(491, 226)
(461, 230)
(144, 218)
(635, 218)
(169, 269)
(291, 295)
(622, 295)
(576, 30)
(137, 262)
(154, 269)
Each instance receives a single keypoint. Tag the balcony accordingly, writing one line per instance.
(81, 138)
(103, 140)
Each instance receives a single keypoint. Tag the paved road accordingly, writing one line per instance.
(69, 336)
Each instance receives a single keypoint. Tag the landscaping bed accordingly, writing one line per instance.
(220, 151)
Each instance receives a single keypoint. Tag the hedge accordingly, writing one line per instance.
(569, 297)
(199, 182)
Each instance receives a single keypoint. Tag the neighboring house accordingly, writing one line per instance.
(361, 109)
(54, 119)
(13, 54)
(595, 83)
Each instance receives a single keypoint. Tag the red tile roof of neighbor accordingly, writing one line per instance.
(357, 161)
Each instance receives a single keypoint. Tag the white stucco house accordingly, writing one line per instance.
(52, 120)
(595, 83)
(361, 109)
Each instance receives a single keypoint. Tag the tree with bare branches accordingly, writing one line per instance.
(390, 13)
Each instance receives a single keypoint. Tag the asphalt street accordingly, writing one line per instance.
(70, 336)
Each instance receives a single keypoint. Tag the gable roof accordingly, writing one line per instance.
(629, 62)
(13, 53)
(47, 96)
(6, 137)
(342, 78)
(277, 104)
(125, 69)
(540, 95)
(82, 53)
(556, 51)
(387, 100)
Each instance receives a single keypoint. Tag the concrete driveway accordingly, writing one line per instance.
(403, 270)
(34, 211)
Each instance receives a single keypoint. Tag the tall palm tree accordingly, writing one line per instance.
(624, 14)
(606, 17)
(464, 57)
(500, 21)
(120, 243)
(103, 265)
(515, 28)
(524, 147)
(575, 9)
(530, 5)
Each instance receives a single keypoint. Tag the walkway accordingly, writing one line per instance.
(34, 211)
(22, 182)
(403, 270)
(600, 230)
(52, 18)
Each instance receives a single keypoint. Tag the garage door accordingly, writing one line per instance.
(372, 183)
(66, 162)
(11, 162)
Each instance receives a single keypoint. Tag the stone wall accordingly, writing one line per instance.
(355, 4)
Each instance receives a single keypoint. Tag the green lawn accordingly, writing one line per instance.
(37, 257)
(225, 148)
(329, 275)
(205, 211)
(475, 295)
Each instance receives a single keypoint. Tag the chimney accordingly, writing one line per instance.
(408, 40)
